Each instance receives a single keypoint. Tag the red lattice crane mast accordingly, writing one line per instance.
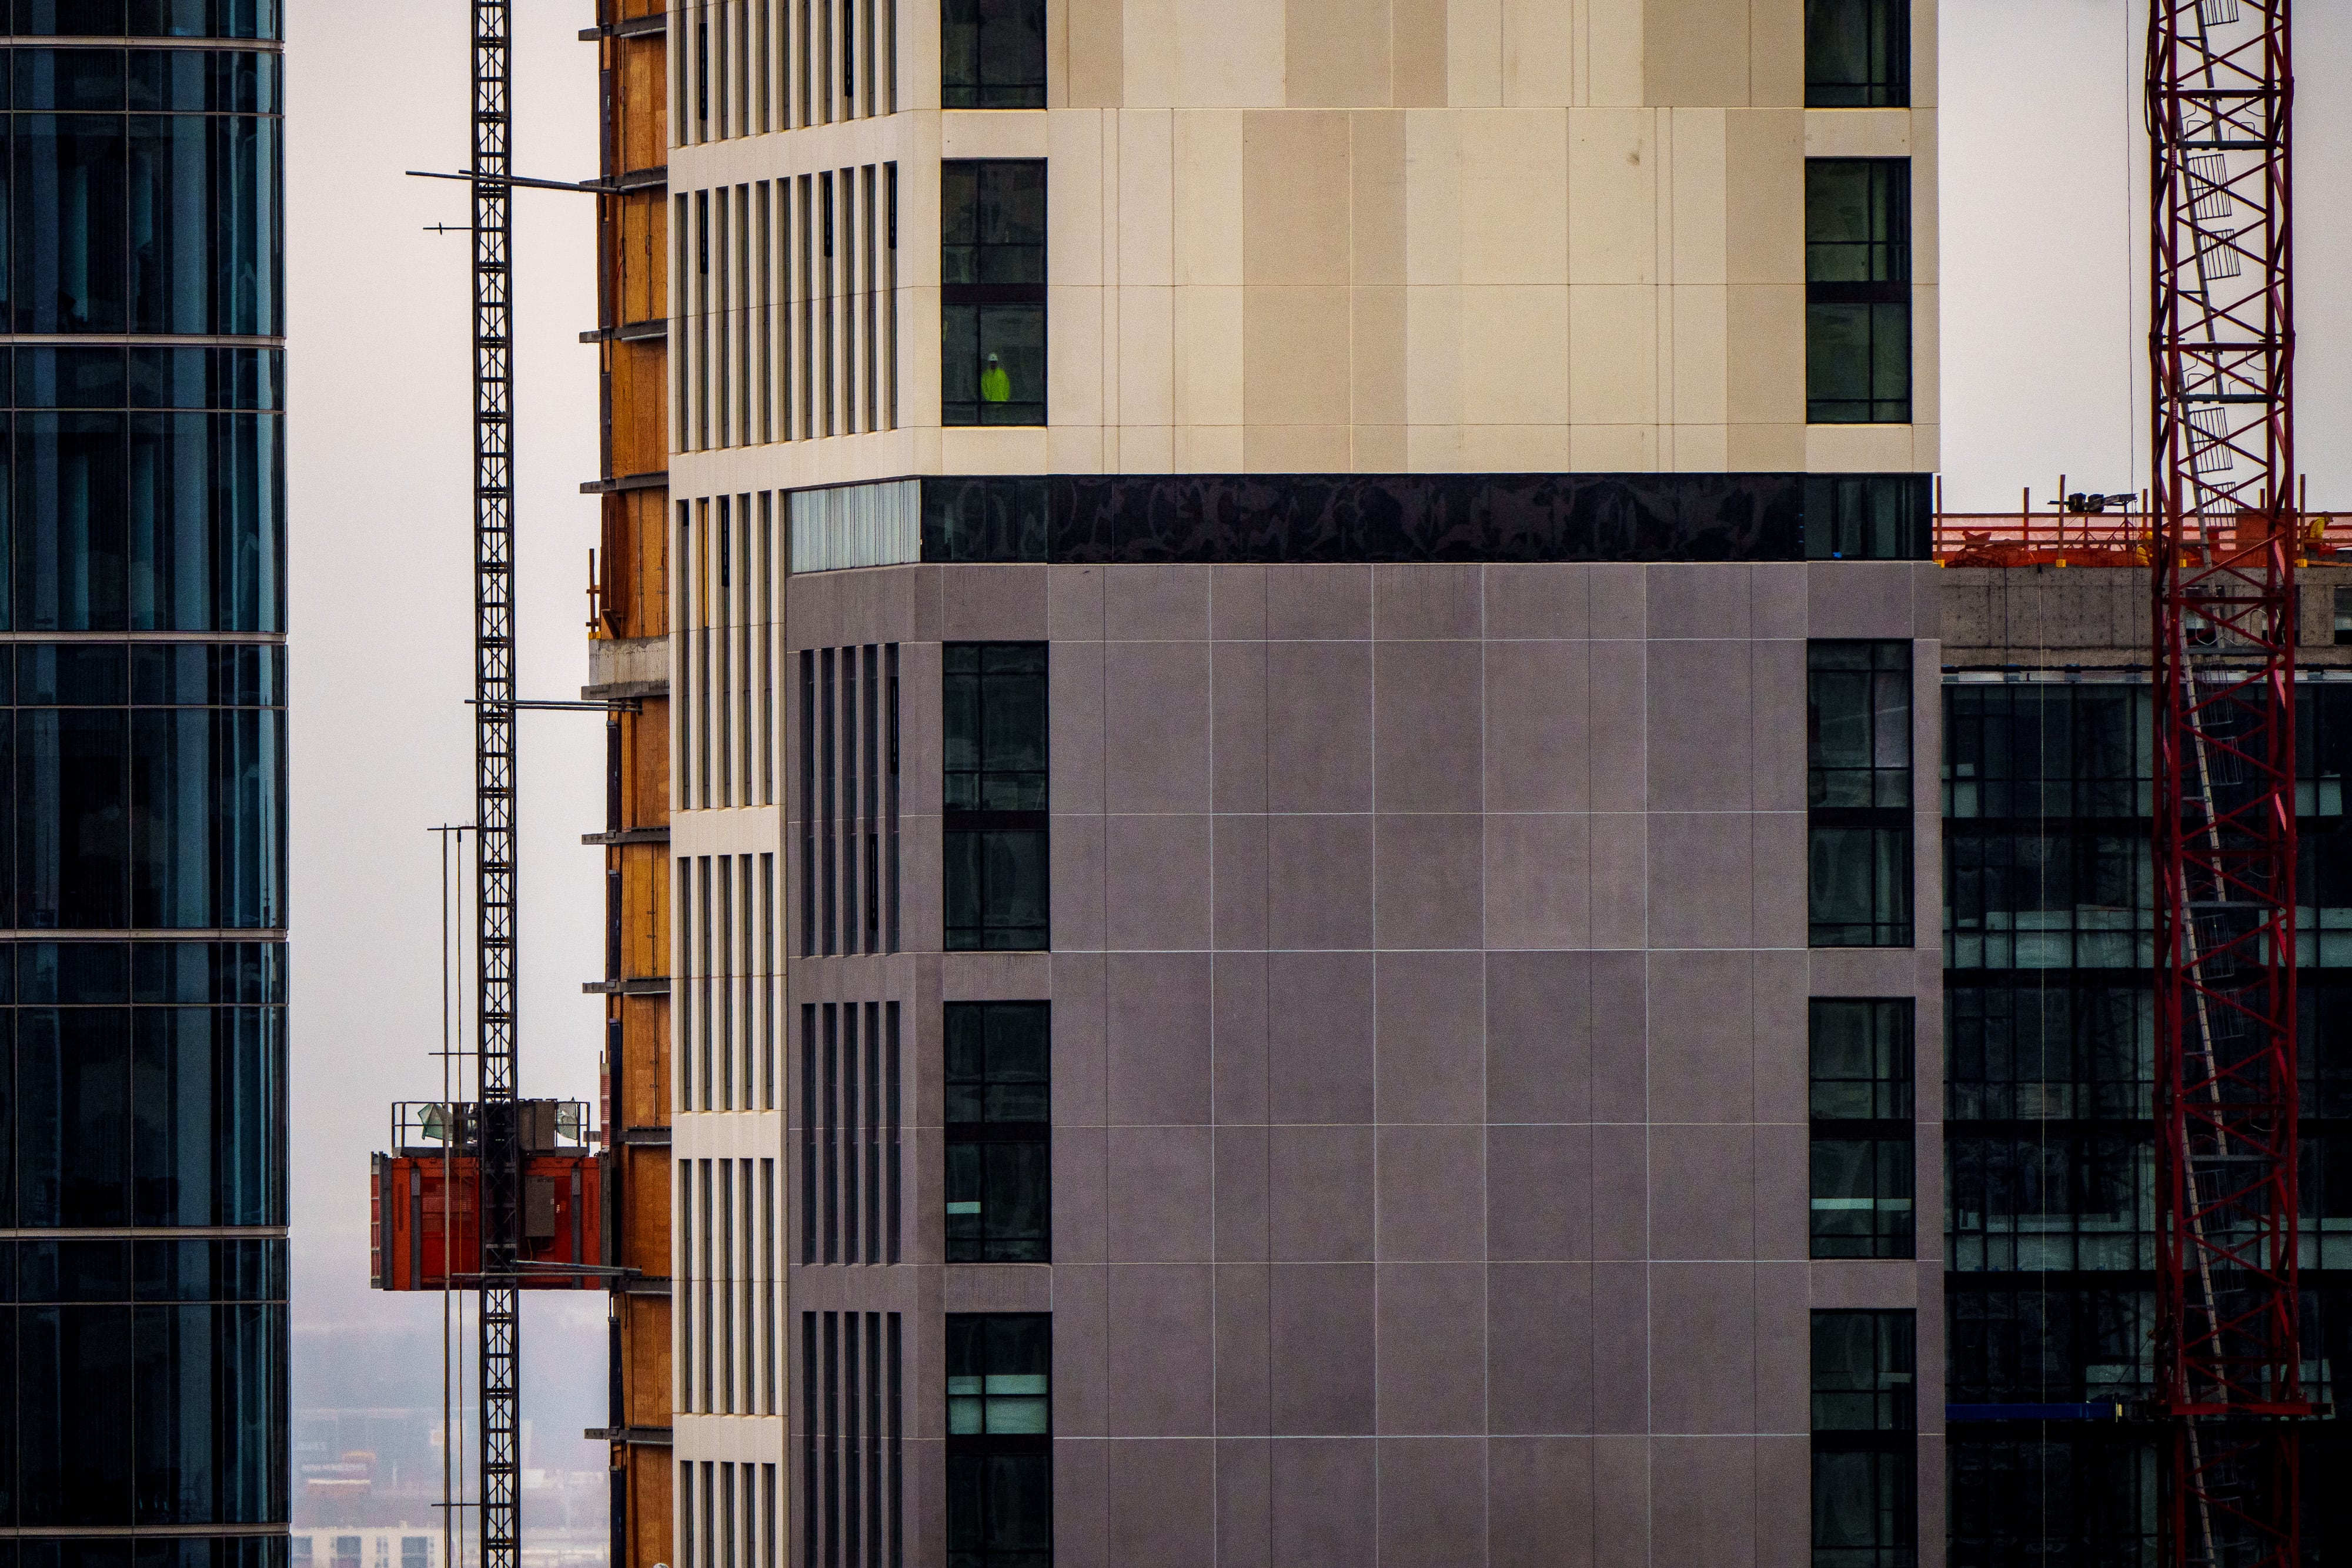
(2221, 341)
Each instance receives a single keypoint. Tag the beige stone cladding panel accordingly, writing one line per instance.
(1202, 54)
(1286, 271)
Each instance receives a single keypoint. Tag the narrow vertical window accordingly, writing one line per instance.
(744, 318)
(685, 1282)
(873, 1136)
(682, 702)
(768, 1292)
(1865, 1439)
(829, 273)
(762, 45)
(686, 957)
(854, 1089)
(992, 292)
(1859, 808)
(721, 985)
(868, 301)
(853, 1435)
(1862, 1138)
(808, 802)
(873, 1444)
(701, 320)
(999, 1151)
(747, 1290)
(827, 711)
(851, 920)
(768, 1508)
(767, 966)
(808, 1131)
(764, 273)
(727, 1513)
(831, 1105)
(787, 283)
(999, 1439)
(681, 308)
(851, 283)
(992, 53)
(710, 957)
(705, 613)
(994, 832)
(824, 55)
(866, 50)
(808, 57)
(892, 1115)
(869, 810)
(701, 75)
(721, 75)
(898, 1442)
(722, 313)
(744, 67)
(1857, 290)
(808, 298)
(890, 297)
(749, 944)
(833, 1438)
(746, 678)
(890, 791)
(767, 647)
(811, 1435)
(1857, 54)
(681, 96)
(723, 1281)
(703, 1272)
(721, 650)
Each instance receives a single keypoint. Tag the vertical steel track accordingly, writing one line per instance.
(494, 795)
(2221, 343)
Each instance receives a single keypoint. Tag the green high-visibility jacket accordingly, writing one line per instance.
(995, 386)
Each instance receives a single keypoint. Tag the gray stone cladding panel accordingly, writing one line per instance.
(1429, 1142)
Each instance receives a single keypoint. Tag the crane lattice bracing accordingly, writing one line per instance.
(2221, 343)
(494, 798)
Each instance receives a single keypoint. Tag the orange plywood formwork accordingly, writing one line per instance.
(628, 626)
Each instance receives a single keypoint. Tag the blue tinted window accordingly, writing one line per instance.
(148, 19)
(70, 243)
(155, 1415)
(69, 78)
(153, 1116)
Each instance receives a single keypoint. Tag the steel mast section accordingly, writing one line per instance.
(2221, 345)
(500, 1324)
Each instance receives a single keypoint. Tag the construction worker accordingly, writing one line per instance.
(995, 386)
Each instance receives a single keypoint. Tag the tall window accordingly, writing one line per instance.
(1858, 746)
(992, 53)
(1857, 54)
(994, 706)
(1000, 1440)
(1865, 1443)
(1863, 1137)
(1857, 290)
(998, 1147)
(992, 292)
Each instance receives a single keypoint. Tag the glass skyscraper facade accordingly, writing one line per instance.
(143, 618)
(2050, 1050)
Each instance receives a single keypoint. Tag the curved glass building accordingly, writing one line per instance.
(142, 623)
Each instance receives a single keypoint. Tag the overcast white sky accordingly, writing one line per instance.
(2042, 374)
